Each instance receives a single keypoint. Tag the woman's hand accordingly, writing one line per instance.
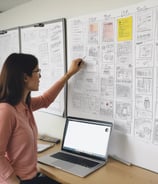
(75, 66)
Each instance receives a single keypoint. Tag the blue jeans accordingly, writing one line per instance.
(39, 179)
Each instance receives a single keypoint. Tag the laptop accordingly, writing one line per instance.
(84, 147)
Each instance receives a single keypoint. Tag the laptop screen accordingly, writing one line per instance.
(87, 137)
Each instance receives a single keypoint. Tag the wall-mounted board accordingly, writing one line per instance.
(9, 43)
(47, 42)
(119, 81)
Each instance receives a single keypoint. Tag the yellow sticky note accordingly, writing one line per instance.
(124, 28)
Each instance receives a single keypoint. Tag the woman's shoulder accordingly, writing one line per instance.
(7, 113)
(5, 107)
(7, 116)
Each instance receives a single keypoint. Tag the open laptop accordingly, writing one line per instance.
(84, 147)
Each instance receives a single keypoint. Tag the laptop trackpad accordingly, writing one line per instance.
(72, 168)
(62, 164)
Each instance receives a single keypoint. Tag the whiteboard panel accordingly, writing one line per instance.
(47, 42)
(9, 43)
(119, 81)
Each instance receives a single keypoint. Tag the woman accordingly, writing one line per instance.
(18, 132)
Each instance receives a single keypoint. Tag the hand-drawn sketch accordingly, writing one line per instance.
(93, 52)
(144, 63)
(143, 129)
(78, 38)
(144, 51)
(89, 104)
(123, 126)
(144, 72)
(124, 53)
(144, 86)
(107, 87)
(107, 70)
(93, 31)
(78, 29)
(144, 102)
(106, 108)
(123, 110)
(107, 60)
(144, 25)
(108, 31)
(123, 91)
(124, 75)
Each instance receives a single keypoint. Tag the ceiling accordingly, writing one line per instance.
(8, 4)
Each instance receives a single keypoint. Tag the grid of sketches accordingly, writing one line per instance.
(93, 92)
(119, 81)
(46, 42)
(144, 73)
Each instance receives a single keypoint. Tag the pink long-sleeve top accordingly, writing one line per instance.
(18, 136)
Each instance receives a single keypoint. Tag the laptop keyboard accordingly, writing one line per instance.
(75, 159)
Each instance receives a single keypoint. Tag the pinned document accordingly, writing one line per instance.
(124, 28)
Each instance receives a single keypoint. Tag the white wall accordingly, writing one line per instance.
(44, 10)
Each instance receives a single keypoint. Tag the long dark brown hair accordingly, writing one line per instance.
(12, 77)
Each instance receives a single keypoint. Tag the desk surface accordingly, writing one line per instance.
(113, 172)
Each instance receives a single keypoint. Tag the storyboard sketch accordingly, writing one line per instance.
(9, 43)
(47, 42)
(119, 79)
